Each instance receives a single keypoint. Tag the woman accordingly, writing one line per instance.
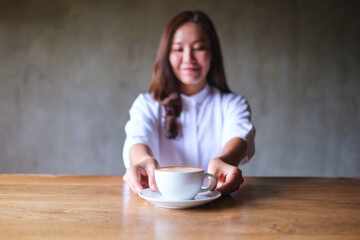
(189, 117)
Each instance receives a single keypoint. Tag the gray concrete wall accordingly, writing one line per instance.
(69, 71)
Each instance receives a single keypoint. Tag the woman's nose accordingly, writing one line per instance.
(188, 55)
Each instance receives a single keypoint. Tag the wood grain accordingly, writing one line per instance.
(102, 207)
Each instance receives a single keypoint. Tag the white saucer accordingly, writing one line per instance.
(157, 199)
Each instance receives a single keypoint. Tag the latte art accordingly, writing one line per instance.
(180, 169)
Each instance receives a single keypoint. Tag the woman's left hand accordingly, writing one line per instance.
(229, 177)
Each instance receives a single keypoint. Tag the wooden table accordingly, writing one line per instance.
(102, 207)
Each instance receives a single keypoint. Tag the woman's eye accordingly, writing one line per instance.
(177, 50)
(200, 48)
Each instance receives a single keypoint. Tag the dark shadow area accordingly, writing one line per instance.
(255, 189)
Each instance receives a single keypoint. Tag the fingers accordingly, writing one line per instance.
(133, 179)
(229, 177)
(151, 178)
(231, 183)
(141, 176)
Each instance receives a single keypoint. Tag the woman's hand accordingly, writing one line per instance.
(229, 177)
(141, 175)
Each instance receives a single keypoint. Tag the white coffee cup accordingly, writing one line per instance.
(178, 183)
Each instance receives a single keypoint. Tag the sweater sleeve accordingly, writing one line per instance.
(237, 123)
(142, 126)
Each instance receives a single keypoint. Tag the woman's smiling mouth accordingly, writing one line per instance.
(191, 69)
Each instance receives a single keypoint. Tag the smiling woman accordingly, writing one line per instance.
(190, 57)
(166, 86)
(189, 117)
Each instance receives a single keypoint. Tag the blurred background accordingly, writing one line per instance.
(70, 70)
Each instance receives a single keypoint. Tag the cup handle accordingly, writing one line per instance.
(213, 184)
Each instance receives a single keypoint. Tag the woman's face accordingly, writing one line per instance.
(190, 57)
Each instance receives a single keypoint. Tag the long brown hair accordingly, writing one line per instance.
(165, 87)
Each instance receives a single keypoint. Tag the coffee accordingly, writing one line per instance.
(180, 169)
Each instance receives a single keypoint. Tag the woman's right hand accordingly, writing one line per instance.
(142, 175)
